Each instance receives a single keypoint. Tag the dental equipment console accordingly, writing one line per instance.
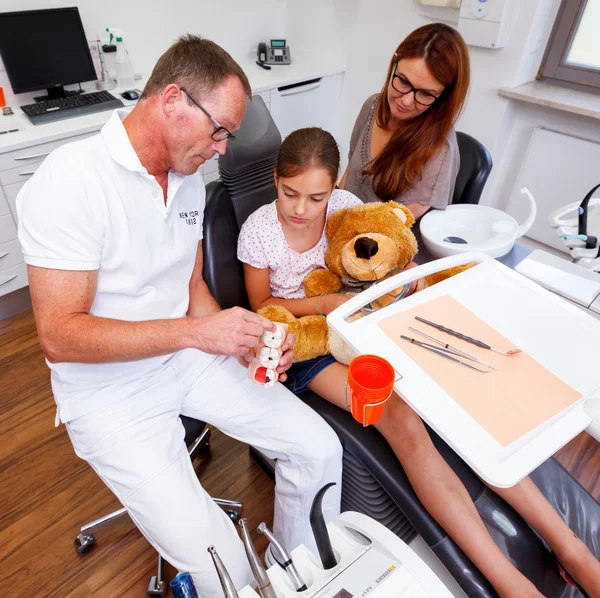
(578, 225)
(370, 560)
(358, 556)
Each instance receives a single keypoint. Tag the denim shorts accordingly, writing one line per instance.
(303, 372)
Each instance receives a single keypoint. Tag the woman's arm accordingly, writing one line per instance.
(417, 209)
(259, 294)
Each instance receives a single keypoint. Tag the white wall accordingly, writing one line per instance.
(321, 25)
(368, 32)
(150, 26)
(382, 24)
(365, 33)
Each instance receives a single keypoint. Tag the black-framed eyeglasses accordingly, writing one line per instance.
(402, 85)
(221, 133)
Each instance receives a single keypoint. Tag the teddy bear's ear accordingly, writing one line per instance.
(334, 221)
(403, 213)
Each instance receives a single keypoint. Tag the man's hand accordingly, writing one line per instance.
(286, 359)
(231, 332)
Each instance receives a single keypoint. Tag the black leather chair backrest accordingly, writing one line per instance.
(247, 173)
(247, 168)
(475, 167)
(222, 272)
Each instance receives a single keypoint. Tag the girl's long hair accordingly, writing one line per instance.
(401, 162)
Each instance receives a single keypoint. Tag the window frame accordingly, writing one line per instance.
(554, 68)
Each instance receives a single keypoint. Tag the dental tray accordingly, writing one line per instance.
(557, 336)
(509, 397)
(371, 560)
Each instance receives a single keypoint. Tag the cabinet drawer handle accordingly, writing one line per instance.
(295, 88)
(3, 254)
(32, 157)
(293, 92)
(27, 173)
(4, 281)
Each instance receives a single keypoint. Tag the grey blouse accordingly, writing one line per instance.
(436, 186)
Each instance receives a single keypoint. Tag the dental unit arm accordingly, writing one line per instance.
(578, 225)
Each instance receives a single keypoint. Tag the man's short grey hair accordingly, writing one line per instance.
(197, 64)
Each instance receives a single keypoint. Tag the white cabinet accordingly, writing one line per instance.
(4, 209)
(13, 278)
(309, 103)
(10, 254)
(16, 167)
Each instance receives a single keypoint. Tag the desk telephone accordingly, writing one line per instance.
(277, 53)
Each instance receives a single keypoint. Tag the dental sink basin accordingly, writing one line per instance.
(466, 227)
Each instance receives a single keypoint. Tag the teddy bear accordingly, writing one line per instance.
(366, 243)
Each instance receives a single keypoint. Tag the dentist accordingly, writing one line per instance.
(111, 231)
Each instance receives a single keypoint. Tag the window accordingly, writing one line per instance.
(573, 54)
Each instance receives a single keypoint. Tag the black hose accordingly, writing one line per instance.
(319, 528)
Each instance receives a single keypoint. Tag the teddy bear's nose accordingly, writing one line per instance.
(365, 248)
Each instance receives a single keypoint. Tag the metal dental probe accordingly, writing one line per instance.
(464, 337)
(441, 353)
(451, 348)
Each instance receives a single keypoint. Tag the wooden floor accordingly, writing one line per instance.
(46, 492)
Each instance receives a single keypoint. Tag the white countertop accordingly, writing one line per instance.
(574, 101)
(304, 66)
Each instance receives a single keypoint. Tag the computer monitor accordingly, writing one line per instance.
(45, 49)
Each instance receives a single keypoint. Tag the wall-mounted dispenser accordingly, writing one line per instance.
(484, 23)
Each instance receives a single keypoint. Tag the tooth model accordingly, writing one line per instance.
(263, 368)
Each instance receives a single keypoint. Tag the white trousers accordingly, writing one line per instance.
(136, 445)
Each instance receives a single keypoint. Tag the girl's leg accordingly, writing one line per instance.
(437, 486)
(574, 555)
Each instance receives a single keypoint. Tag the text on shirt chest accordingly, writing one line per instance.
(190, 217)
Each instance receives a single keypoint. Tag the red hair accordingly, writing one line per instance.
(401, 161)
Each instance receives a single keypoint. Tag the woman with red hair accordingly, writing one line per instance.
(404, 148)
(403, 145)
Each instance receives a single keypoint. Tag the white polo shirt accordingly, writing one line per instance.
(92, 206)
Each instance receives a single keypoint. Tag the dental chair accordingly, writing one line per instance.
(373, 482)
(475, 167)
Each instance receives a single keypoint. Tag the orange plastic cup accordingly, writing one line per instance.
(370, 384)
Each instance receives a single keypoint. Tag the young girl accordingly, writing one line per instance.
(279, 245)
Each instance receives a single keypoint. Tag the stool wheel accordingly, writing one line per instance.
(233, 515)
(156, 588)
(204, 449)
(84, 543)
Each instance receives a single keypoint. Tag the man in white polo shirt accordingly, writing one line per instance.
(111, 230)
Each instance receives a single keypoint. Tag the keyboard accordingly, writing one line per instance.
(52, 110)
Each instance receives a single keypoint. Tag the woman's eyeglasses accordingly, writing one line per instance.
(221, 133)
(402, 85)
